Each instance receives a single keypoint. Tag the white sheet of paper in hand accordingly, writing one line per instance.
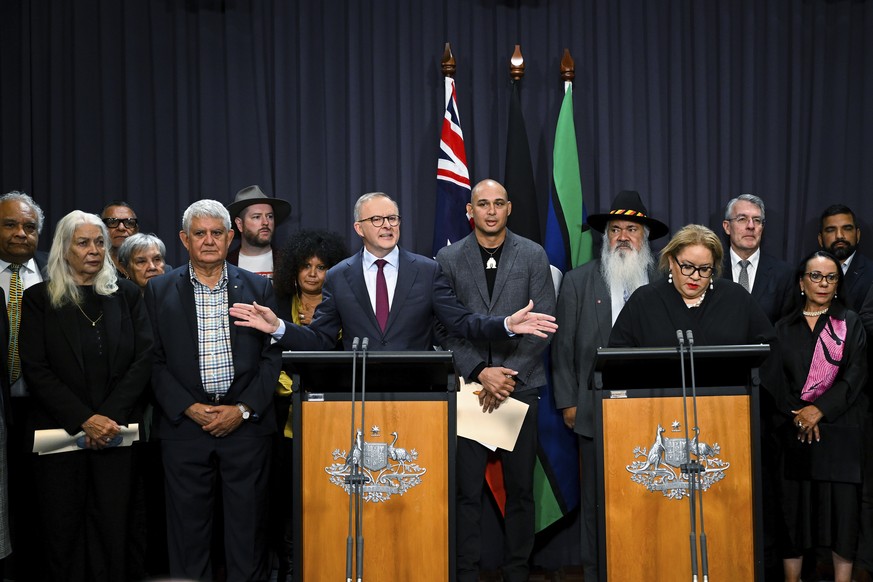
(57, 440)
(497, 429)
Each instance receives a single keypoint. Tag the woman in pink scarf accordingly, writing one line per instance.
(822, 347)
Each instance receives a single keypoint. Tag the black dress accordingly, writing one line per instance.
(818, 507)
(727, 316)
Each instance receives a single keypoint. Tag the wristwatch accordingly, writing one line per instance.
(246, 413)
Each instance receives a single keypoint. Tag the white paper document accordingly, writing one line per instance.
(497, 429)
(57, 440)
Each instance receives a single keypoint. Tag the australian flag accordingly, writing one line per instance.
(451, 222)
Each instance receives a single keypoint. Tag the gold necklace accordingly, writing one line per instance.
(92, 321)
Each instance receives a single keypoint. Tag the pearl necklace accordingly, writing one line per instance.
(697, 303)
(815, 313)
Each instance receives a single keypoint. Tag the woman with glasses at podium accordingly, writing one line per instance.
(822, 349)
(692, 297)
(303, 263)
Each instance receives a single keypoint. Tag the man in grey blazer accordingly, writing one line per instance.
(494, 272)
(590, 300)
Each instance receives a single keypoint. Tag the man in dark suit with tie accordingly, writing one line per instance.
(214, 385)
(21, 267)
(591, 297)
(840, 235)
(769, 280)
(388, 295)
(496, 272)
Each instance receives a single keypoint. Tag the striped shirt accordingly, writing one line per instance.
(213, 331)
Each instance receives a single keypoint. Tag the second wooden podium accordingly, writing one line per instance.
(643, 491)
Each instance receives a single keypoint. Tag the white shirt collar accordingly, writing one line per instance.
(754, 259)
(393, 258)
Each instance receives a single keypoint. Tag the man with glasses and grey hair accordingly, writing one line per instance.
(768, 279)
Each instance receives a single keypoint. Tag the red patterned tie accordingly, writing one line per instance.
(381, 295)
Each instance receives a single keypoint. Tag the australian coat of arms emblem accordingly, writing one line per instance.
(662, 466)
(388, 469)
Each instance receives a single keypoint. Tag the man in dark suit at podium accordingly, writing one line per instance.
(769, 280)
(590, 300)
(495, 272)
(388, 295)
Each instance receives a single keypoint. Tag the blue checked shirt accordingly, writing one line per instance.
(213, 331)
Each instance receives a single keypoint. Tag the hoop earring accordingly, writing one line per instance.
(670, 277)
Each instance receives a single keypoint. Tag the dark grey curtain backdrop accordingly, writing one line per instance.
(689, 102)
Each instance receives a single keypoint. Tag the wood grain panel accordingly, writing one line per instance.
(647, 534)
(405, 537)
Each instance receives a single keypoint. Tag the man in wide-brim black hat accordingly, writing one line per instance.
(591, 298)
(256, 216)
(629, 206)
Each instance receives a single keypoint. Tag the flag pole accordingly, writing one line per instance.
(448, 62)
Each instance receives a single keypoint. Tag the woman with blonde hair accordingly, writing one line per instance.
(691, 297)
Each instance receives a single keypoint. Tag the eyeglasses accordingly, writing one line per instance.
(688, 270)
(743, 220)
(377, 221)
(128, 223)
(817, 277)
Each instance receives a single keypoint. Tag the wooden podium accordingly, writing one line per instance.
(643, 501)
(408, 453)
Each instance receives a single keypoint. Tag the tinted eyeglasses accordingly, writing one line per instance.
(128, 223)
(377, 221)
(817, 277)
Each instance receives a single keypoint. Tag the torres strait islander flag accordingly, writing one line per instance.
(451, 222)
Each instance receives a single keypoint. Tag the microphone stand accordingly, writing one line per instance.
(350, 479)
(359, 502)
(687, 467)
(704, 557)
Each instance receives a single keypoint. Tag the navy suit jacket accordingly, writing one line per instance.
(774, 285)
(176, 373)
(422, 293)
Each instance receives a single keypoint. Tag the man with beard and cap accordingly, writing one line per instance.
(839, 235)
(769, 280)
(589, 302)
(256, 217)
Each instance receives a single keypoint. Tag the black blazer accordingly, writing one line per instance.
(774, 285)
(857, 282)
(52, 360)
(176, 373)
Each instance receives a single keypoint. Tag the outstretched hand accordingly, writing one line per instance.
(525, 321)
(255, 316)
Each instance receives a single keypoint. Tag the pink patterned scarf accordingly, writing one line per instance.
(826, 360)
